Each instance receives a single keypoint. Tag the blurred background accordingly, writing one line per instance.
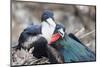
(78, 19)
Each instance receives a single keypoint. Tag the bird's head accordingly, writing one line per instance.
(47, 14)
(60, 29)
(48, 18)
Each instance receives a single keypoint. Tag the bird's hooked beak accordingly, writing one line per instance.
(57, 36)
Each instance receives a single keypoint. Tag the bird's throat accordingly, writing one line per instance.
(54, 38)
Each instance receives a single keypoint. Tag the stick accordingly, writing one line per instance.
(87, 34)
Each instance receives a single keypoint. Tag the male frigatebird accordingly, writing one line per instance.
(70, 47)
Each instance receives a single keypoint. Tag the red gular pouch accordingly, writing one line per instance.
(54, 38)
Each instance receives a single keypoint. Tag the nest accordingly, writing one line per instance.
(23, 57)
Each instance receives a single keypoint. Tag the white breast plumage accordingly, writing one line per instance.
(48, 28)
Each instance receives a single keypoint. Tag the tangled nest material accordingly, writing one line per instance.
(22, 57)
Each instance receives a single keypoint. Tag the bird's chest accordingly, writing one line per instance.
(47, 31)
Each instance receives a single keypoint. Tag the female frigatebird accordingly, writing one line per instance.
(38, 36)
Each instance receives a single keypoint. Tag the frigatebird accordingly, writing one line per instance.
(38, 36)
(70, 47)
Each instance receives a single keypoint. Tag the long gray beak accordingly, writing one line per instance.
(61, 32)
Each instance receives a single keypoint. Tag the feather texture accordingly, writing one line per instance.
(74, 51)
